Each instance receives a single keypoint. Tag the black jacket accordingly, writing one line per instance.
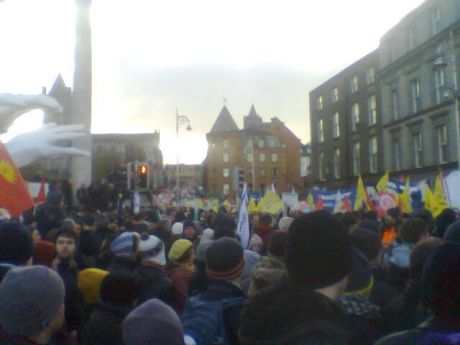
(104, 325)
(289, 314)
(154, 284)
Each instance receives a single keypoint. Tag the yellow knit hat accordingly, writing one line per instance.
(89, 282)
(178, 249)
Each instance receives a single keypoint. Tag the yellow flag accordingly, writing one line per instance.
(431, 204)
(439, 192)
(252, 207)
(382, 185)
(271, 203)
(405, 200)
(360, 197)
(311, 202)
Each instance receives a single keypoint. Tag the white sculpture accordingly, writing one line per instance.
(28, 147)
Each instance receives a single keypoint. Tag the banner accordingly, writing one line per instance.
(243, 220)
(271, 203)
(328, 200)
(291, 200)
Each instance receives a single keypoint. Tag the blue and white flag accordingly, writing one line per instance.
(243, 220)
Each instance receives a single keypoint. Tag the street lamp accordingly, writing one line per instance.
(181, 120)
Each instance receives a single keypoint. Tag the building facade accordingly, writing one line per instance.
(345, 124)
(261, 154)
(190, 175)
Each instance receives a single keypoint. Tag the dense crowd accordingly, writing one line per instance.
(163, 277)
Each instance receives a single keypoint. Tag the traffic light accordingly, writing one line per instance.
(142, 172)
(240, 179)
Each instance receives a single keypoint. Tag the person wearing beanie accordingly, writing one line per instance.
(31, 305)
(117, 298)
(180, 269)
(199, 279)
(151, 271)
(285, 223)
(152, 323)
(304, 308)
(441, 295)
(264, 229)
(452, 233)
(125, 250)
(16, 246)
(224, 265)
(177, 231)
(190, 231)
(44, 253)
(447, 217)
(89, 283)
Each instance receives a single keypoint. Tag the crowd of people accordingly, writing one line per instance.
(162, 277)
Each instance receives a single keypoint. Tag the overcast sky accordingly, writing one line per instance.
(153, 56)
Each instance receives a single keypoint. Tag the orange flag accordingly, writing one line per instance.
(41, 197)
(14, 194)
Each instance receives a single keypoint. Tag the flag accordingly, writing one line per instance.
(362, 197)
(41, 197)
(382, 185)
(14, 194)
(431, 204)
(271, 203)
(405, 199)
(243, 220)
(438, 192)
(338, 203)
(319, 203)
(310, 203)
(252, 207)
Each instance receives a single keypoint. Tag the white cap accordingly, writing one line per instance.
(177, 228)
(152, 249)
(285, 223)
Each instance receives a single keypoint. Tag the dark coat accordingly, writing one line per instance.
(289, 314)
(154, 284)
(433, 331)
(104, 325)
(122, 264)
(8, 339)
(180, 278)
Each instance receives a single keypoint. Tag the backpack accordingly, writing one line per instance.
(203, 320)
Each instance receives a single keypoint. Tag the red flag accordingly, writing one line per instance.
(14, 194)
(319, 203)
(41, 197)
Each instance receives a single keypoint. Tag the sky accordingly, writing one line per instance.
(151, 57)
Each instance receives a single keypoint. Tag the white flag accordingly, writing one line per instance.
(243, 220)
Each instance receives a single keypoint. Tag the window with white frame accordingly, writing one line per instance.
(320, 131)
(261, 143)
(370, 76)
(337, 163)
(322, 167)
(372, 110)
(442, 144)
(373, 155)
(226, 189)
(225, 143)
(336, 125)
(356, 158)
(335, 94)
(319, 103)
(415, 95)
(354, 84)
(271, 141)
(435, 20)
(396, 154)
(395, 104)
(417, 146)
(354, 116)
(439, 83)
(274, 157)
(226, 172)
(225, 157)
(262, 157)
(250, 157)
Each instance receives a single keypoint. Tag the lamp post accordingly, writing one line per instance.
(181, 120)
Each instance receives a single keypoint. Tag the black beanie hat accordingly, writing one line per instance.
(119, 288)
(16, 244)
(367, 241)
(224, 259)
(360, 277)
(318, 251)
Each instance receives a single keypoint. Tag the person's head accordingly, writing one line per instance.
(256, 244)
(441, 281)
(426, 216)
(319, 253)
(32, 302)
(254, 218)
(181, 252)
(266, 219)
(152, 251)
(125, 245)
(177, 229)
(419, 256)
(360, 279)
(277, 244)
(44, 253)
(285, 223)
(190, 231)
(444, 220)
(16, 244)
(392, 216)
(224, 260)
(368, 242)
(153, 322)
(412, 231)
(66, 243)
(350, 220)
(452, 233)
(224, 226)
(89, 283)
(121, 288)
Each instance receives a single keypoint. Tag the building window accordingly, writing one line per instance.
(319, 103)
(271, 141)
(435, 20)
(415, 95)
(395, 104)
(370, 76)
(372, 110)
(274, 157)
(261, 143)
(225, 157)
(262, 157)
(225, 143)
(320, 131)
(335, 94)
(336, 125)
(354, 84)
(274, 172)
(250, 157)
(417, 144)
(226, 189)
(226, 172)
(322, 167)
(354, 116)
(356, 158)
(439, 83)
(262, 172)
(442, 144)
(396, 155)
(373, 155)
(337, 163)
